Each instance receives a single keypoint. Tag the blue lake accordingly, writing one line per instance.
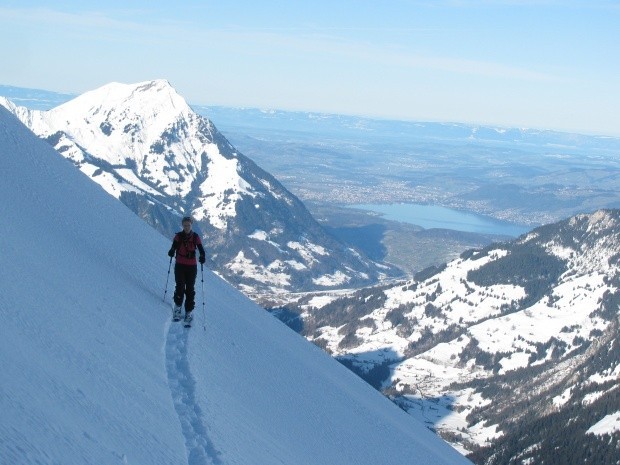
(431, 216)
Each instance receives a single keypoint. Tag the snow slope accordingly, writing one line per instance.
(93, 372)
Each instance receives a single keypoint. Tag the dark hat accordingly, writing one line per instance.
(187, 218)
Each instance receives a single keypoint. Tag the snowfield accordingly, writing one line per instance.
(608, 425)
(94, 372)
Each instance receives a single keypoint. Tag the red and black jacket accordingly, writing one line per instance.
(185, 246)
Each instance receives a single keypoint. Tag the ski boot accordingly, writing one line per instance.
(176, 313)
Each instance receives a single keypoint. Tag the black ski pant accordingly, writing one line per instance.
(185, 278)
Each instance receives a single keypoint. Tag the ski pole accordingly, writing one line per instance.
(202, 285)
(168, 278)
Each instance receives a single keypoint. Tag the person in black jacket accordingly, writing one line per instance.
(184, 245)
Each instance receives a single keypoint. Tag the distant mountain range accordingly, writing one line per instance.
(34, 99)
(346, 125)
(511, 352)
(145, 146)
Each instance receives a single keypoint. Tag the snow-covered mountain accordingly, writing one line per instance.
(93, 372)
(145, 146)
(500, 349)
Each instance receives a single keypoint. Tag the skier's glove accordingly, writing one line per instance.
(201, 259)
(171, 253)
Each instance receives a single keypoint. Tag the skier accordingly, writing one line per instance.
(184, 245)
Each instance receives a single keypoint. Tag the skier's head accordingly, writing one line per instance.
(187, 223)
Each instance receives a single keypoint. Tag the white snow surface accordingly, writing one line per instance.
(608, 425)
(93, 371)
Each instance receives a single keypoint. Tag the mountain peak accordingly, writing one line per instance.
(124, 125)
(155, 98)
(601, 219)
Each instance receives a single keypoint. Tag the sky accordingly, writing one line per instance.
(543, 64)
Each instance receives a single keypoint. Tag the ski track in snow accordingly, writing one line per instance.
(200, 450)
